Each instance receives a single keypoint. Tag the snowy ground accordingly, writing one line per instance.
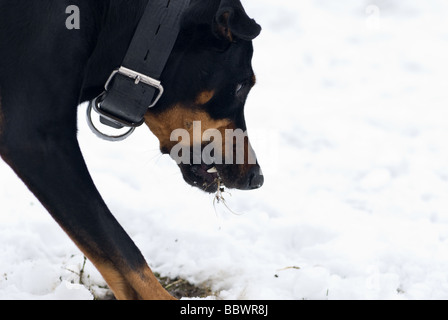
(350, 123)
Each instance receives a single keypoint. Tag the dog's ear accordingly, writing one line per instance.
(231, 21)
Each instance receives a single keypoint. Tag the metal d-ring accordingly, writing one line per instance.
(97, 132)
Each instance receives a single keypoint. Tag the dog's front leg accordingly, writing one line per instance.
(48, 159)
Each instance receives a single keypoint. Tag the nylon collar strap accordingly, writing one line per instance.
(135, 86)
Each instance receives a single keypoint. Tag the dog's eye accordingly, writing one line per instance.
(240, 87)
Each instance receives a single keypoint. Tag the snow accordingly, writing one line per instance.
(350, 125)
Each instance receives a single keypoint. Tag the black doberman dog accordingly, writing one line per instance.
(47, 69)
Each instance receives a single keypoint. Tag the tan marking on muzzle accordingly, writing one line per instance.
(179, 117)
(235, 167)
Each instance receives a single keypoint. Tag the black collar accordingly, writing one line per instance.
(134, 87)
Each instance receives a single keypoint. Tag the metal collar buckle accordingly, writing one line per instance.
(138, 77)
(96, 104)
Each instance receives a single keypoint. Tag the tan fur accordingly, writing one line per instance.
(224, 29)
(142, 285)
(179, 117)
(133, 285)
(204, 97)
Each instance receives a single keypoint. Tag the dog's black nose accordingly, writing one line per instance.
(256, 178)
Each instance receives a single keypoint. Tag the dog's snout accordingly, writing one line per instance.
(256, 178)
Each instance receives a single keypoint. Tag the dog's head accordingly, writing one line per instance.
(200, 120)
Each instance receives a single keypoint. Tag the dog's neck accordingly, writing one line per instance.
(110, 38)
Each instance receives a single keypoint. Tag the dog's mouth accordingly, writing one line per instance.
(209, 174)
(210, 178)
(203, 176)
